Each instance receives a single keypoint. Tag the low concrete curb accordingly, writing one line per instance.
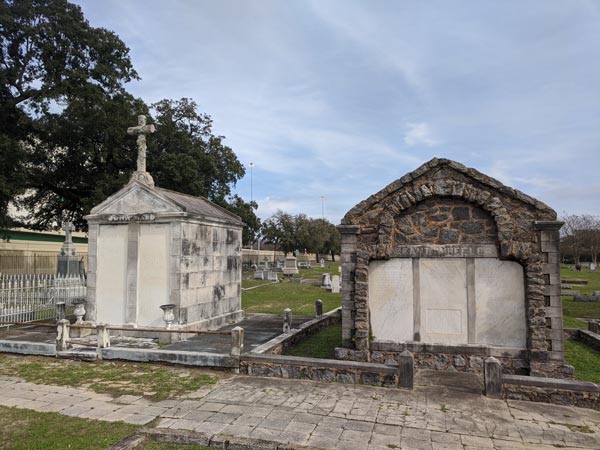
(199, 359)
(281, 343)
(320, 369)
(27, 348)
(222, 441)
(551, 390)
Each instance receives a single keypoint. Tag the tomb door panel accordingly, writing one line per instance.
(443, 300)
(391, 299)
(153, 274)
(500, 294)
(111, 277)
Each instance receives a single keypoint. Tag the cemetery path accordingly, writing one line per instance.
(433, 416)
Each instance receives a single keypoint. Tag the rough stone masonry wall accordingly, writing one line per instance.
(444, 221)
(210, 275)
(526, 232)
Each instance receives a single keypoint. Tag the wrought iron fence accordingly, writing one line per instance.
(33, 297)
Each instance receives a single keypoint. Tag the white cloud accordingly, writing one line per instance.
(419, 133)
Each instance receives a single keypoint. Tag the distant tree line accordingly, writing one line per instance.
(64, 111)
(580, 238)
(299, 233)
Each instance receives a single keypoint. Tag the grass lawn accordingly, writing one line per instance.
(153, 380)
(23, 429)
(320, 345)
(274, 298)
(585, 359)
(572, 310)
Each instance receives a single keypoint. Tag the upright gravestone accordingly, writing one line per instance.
(67, 259)
(450, 263)
(291, 266)
(149, 247)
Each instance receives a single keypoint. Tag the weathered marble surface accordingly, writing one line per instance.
(111, 275)
(450, 304)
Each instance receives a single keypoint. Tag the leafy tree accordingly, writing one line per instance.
(49, 57)
(300, 232)
(245, 210)
(279, 230)
(186, 156)
(63, 118)
(84, 155)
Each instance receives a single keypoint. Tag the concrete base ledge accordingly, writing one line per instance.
(282, 342)
(466, 349)
(590, 338)
(198, 359)
(320, 363)
(184, 437)
(319, 369)
(551, 383)
(27, 348)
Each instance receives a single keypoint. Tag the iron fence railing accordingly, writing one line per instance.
(33, 297)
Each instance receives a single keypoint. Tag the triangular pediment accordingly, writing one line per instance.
(136, 198)
(442, 178)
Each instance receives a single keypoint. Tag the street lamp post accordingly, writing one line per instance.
(251, 194)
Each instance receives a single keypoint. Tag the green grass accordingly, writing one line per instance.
(23, 429)
(572, 310)
(584, 359)
(274, 298)
(154, 381)
(322, 344)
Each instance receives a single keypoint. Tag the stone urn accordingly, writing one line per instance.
(79, 310)
(168, 314)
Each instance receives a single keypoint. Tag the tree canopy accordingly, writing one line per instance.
(298, 233)
(63, 119)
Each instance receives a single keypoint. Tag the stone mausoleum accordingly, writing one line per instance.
(150, 247)
(455, 267)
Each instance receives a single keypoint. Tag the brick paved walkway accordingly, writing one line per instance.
(333, 416)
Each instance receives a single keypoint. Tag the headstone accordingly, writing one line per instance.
(568, 292)
(593, 267)
(335, 284)
(290, 267)
(593, 326)
(266, 263)
(259, 275)
(322, 263)
(586, 298)
(272, 276)
(596, 293)
(326, 281)
(67, 260)
(442, 256)
(279, 264)
(150, 246)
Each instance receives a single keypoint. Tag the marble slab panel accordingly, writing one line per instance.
(500, 298)
(111, 284)
(391, 299)
(443, 300)
(153, 274)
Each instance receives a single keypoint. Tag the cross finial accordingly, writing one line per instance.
(141, 131)
(68, 227)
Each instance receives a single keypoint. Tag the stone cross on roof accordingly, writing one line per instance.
(141, 131)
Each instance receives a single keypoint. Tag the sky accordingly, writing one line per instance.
(333, 100)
